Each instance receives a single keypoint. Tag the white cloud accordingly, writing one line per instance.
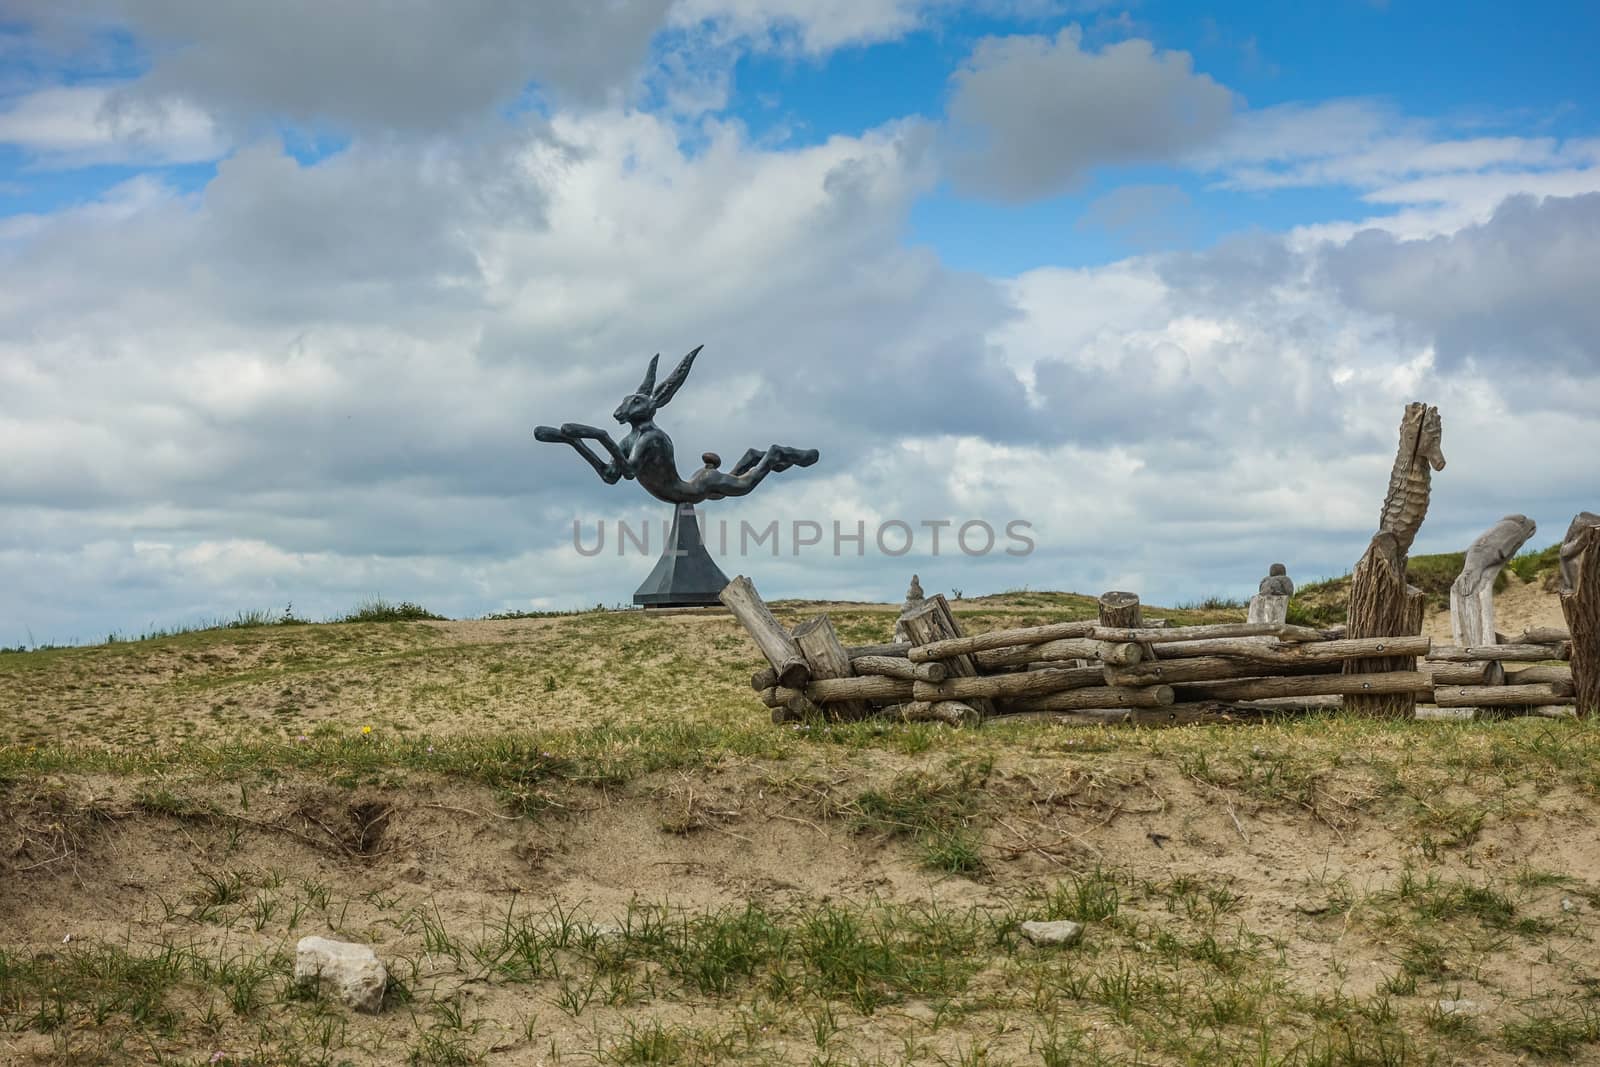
(85, 124)
(316, 382)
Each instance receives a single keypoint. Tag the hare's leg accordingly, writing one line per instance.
(786, 457)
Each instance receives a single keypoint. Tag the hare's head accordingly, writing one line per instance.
(640, 406)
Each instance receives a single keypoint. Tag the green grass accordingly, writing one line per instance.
(378, 609)
(1535, 565)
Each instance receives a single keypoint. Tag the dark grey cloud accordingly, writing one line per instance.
(1031, 117)
(1517, 289)
(410, 65)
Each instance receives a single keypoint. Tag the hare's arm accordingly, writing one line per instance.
(575, 434)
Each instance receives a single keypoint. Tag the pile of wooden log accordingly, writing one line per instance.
(1525, 674)
(1114, 669)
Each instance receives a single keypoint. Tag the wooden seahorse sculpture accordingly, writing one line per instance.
(1381, 604)
(1411, 480)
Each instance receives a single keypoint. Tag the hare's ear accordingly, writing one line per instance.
(669, 387)
(649, 382)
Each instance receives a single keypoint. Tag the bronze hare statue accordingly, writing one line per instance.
(645, 453)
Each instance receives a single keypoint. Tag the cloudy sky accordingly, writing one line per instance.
(285, 287)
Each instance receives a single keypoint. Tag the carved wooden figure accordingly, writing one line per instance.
(1472, 593)
(1381, 604)
(1580, 603)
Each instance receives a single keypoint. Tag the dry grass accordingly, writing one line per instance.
(578, 840)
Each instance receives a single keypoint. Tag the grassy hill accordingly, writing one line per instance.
(577, 839)
(1325, 602)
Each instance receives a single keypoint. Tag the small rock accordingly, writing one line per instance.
(1312, 907)
(1063, 932)
(1568, 905)
(353, 970)
(1458, 1007)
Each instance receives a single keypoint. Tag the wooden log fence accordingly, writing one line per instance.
(1114, 670)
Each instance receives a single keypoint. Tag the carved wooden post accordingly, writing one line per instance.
(1120, 609)
(827, 658)
(1381, 607)
(741, 598)
(1580, 603)
(1472, 593)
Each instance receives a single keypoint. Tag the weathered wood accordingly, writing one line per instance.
(934, 624)
(765, 678)
(1559, 677)
(1268, 609)
(1206, 669)
(1287, 654)
(1065, 648)
(791, 705)
(1472, 593)
(1356, 648)
(1477, 672)
(1427, 714)
(1027, 635)
(1168, 634)
(894, 648)
(1323, 702)
(914, 600)
(740, 597)
(1554, 711)
(1206, 712)
(801, 707)
(1081, 717)
(782, 716)
(826, 656)
(1380, 607)
(1406, 503)
(1028, 683)
(1496, 696)
(1120, 609)
(1514, 653)
(1580, 604)
(1238, 647)
(951, 712)
(871, 687)
(1542, 635)
(1346, 685)
(897, 667)
(1096, 697)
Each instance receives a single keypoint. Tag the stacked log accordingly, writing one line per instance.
(1116, 671)
(1111, 669)
(1525, 675)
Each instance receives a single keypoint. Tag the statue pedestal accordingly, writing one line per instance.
(685, 575)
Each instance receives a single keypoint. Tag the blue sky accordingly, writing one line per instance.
(1008, 257)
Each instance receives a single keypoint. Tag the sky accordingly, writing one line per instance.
(285, 288)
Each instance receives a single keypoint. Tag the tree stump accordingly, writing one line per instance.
(1120, 609)
(1580, 603)
(826, 656)
(1381, 606)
